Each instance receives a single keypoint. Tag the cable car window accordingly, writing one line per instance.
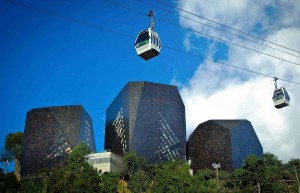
(142, 40)
(278, 96)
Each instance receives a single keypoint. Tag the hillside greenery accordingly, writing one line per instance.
(267, 173)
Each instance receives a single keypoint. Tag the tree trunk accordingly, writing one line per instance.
(18, 169)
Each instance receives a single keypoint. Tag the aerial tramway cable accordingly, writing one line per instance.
(216, 28)
(210, 36)
(223, 25)
(129, 36)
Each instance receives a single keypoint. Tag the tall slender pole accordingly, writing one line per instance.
(216, 167)
(297, 179)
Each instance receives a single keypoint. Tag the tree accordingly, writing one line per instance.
(266, 173)
(210, 186)
(237, 178)
(205, 174)
(109, 182)
(294, 162)
(76, 176)
(133, 163)
(293, 166)
(274, 174)
(139, 182)
(205, 181)
(273, 166)
(172, 177)
(77, 156)
(254, 171)
(13, 144)
(8, 182)
(32, 185)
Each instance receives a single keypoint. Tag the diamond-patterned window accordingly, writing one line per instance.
(119, 127)
(167, 148)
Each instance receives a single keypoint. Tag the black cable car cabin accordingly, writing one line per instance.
(281, 98)
(147, 44)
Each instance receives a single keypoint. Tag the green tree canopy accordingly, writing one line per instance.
(8, 182)
(172, 177)
(139, 182)
(13, 143)
(77, 157)
(133, 163)
(266, 173)
(109, 182)
(76, 176)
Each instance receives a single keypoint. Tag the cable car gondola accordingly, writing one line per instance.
(147, 43)
(281, 97)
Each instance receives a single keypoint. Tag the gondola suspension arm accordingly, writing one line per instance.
(275, 80)
(151, 15)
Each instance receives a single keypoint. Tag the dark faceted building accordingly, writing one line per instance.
(50, 135)
(226, 142)
(148, 118)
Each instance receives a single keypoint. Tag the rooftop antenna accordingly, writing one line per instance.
(151, 14)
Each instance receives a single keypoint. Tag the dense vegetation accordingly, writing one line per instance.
(266, 173)
(12, 151)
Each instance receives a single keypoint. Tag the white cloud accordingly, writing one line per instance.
(217, 91)
(290, 12)
(242, 14)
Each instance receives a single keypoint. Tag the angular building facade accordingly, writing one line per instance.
(50, 135)
(148, 118)
(226, 142)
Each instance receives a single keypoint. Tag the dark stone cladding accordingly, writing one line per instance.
(227, 142)
(149, 119)
(50, 135)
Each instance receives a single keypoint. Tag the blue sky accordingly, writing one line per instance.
(50, 61)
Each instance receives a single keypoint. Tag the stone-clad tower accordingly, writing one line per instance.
(148, 118)
(50, 135)
(226, 142)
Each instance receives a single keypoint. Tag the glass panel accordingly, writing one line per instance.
(142, 40)
(278, 94)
